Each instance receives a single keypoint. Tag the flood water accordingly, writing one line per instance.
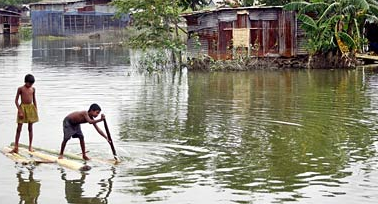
(283, 136)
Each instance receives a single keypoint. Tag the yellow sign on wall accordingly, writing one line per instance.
(240, 37)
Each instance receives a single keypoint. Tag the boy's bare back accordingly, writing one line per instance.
(79, 117)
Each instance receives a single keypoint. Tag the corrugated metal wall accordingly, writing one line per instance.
(9, 22)
(300, 39)
(76, 18)
(47, 23)
(273, 32)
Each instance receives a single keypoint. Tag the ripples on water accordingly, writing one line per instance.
(306, 136)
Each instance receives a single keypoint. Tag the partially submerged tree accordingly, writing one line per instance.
(334, 28)
(156, 23)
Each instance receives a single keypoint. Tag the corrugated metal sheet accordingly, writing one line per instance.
(227, 16)
(287, 34)
(73, 7)
(271, 31)
(301, 39)
(207, 21)
(225, 40)
(263, 15)
(9, 21)
(105, 9)
(75, 18)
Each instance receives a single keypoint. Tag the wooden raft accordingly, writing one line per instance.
(16, 157)
(73, 156)
(74, 165)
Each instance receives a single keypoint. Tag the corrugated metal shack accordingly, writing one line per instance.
(61, 18)
(9, 22)
(257, 31)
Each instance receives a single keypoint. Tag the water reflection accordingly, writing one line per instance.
(306, 136)
(79, 53)
(263, 131)
(8, 41)
(28, 188)
(75, 191)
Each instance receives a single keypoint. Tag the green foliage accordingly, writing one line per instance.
(332, 25)
(26, 33)
(153, 60)
(156, 22)
(194, 5)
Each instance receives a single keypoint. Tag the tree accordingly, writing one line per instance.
(335, 25)
(156, 23)
(192, 4)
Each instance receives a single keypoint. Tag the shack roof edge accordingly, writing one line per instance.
(50, 2)
(10, 12)
(225, 9)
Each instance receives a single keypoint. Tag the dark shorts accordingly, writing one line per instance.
(71, 130)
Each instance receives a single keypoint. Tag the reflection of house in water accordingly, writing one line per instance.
(7, 41)
(69, 17)
(88, 53)
(9, 22)
(259, 31)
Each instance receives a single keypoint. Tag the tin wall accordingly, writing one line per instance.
(75, 18)
(261, 32)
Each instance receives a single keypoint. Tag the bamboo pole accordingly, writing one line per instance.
(16, 157)
(70, 155)
(62, 162)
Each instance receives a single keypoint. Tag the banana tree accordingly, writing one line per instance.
(334, 25)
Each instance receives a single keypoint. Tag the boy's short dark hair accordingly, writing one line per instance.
(29, 79)
(94, 107)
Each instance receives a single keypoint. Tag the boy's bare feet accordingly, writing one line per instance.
(85, 157)
(60, 157)
(15, 150)
(31, 149)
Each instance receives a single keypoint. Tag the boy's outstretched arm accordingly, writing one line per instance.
(91, 120)
(100, 132)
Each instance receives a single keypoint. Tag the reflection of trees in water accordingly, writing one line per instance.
(266, 125)
(28, 188)
(74, 189)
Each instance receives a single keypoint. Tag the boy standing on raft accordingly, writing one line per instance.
(71, 127)
(26, 111)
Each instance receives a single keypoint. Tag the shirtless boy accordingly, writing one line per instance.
(71, 127)
(26, 111)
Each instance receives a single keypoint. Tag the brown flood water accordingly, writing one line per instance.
(286, 136)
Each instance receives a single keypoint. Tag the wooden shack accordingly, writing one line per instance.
(263, 31)
(9, 22)
(70, 17)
